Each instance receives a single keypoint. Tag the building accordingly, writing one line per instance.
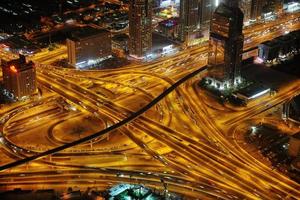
(256, 9)
(287, 44)
(226, 45)
(269, 51)
(161, 46)
(280, 49)
(189, 18)
(88, 46)
(279, 6)
(20, 45)
(19, 77)
(274, 6)
(166, 3)
(292, 6)
(251, 92)
(294, 145)
(194, 19)
(271, 9)
(120, 44)
(209, 6)
(169, 28)
(140, 27)
(245, 6)
(206, 9)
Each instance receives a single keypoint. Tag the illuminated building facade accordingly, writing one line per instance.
(245, 6)
(88, 46)
(169, 27)
(275, 6)
(120, 44)
(166, 3)
(206, 9)
(189, 18)
(280, 49)
(140, 27)
(19, 77)
(256, 9)
(292, 6)
(271, 9)
(226, 45)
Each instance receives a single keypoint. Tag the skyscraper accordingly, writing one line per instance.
(189, 17)
(206, 9)
(275, 6)
(256, 9)
(245, 6)
(19, 77)
(226, 45)
(88, 46)
(140, 27)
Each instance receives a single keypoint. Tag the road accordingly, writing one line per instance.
(140, 123)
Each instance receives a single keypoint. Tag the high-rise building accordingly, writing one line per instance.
(256, 9)
(169, 28)
(274, 6)
(19, 77)
(206, 9)
(140, 27)
(88, 46)
(245, 6)
(189, 18)
(226, 45)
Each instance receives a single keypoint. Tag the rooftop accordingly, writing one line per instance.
(253, 90)
(120, 37)
(19, 42)
(283, 39)
(227, 11)
(86, 32)
(271, 43)
(19, 64)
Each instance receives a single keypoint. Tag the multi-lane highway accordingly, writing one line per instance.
(141, 123)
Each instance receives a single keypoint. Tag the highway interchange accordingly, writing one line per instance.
(177, 138)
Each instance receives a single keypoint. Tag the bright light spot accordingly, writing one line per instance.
(260, 94)
(13, 69)
(217, 3)
(91, 62)
(292, 6)
(258, 60)
(73, 108)
(167, 49)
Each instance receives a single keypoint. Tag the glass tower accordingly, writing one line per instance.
(140, 27)
(226, 44)
(189, 19)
